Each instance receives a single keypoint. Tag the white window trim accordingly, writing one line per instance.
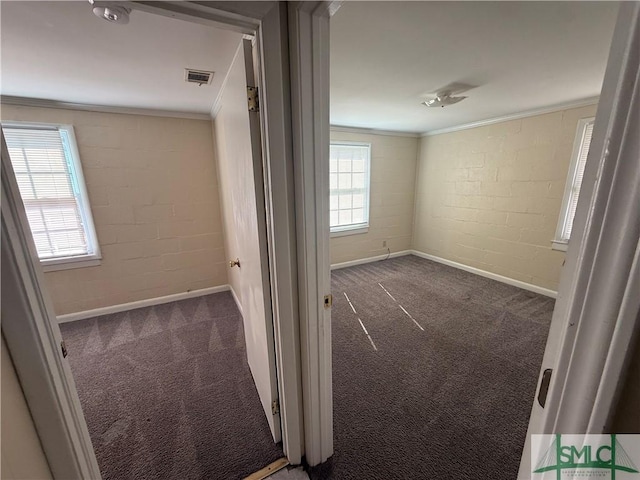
(343, 231)
(356, 228)
(559, 243)
(76, 261)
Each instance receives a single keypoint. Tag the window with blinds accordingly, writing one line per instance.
(574, 180)
(349, 186)
(47, 170)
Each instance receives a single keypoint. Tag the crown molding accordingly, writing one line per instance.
(373, 131)
(44, 103)
(515, 116)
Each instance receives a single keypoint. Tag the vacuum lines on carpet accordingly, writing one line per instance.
(447, 392)
(167, 392)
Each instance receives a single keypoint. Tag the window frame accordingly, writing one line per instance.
(93, 258)
(362, 227)
(558, 242)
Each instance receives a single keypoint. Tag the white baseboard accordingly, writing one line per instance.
(493, 276)
(362, 261)
(235, 298)
(123, 307)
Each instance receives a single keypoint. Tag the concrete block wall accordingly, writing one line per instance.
(153, 190)
(490, 196)
(393, 169)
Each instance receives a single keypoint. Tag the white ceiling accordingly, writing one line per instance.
(386, 57)
(61, 51)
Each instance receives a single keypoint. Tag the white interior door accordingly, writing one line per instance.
(558, 324)
(242, 187)
(591, 334)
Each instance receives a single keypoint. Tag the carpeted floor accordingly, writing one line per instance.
(447, 391)
(167, 392)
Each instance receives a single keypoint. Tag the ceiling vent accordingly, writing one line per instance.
(201, 77)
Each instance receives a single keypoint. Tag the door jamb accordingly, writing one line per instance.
(309, 54)
(275, 112)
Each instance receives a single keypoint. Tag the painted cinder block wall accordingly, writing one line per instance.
(393, 169)
(489, 197)
(153, 191)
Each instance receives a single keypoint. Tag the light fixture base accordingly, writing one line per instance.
(442, 100)
(113, 13)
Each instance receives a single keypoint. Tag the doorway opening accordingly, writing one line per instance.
(173, 358)
(452, 177)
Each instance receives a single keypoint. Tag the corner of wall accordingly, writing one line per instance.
(489, 196)
(416, 186)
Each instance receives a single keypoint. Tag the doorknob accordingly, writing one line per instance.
(234, 263)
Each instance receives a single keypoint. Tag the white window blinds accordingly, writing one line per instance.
(576, 184)
(44, 169)
(349, 186)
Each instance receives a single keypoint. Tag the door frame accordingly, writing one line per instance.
(310, 95)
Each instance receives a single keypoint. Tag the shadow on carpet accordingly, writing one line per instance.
(448, 392)
(167, 392)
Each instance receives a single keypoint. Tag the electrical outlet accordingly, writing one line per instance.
(384, 243)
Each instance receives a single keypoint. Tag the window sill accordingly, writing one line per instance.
(70, 263)
(359, 230)
(560, 245)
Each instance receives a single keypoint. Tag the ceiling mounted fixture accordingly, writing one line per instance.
(112, 13)
(442, 99)
(445, 95)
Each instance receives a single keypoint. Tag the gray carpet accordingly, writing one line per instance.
(167, 392)
(451, 401)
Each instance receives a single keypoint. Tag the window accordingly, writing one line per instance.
(47, 169)
(349, 188)
(574, 182)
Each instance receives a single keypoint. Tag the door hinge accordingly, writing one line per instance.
(63, 347)
(275, 407)
(253, 99)
(328, 301)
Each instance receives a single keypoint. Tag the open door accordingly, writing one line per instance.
(597, 316)
(238, 138)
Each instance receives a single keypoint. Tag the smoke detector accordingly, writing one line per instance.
(201, 77)
(442, 99)
(112, 13)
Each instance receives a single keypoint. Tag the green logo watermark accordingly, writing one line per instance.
(585, 456)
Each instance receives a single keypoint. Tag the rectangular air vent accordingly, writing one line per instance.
(201, 77)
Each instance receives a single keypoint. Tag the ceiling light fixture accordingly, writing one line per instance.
(442, 99)
(113, 13)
